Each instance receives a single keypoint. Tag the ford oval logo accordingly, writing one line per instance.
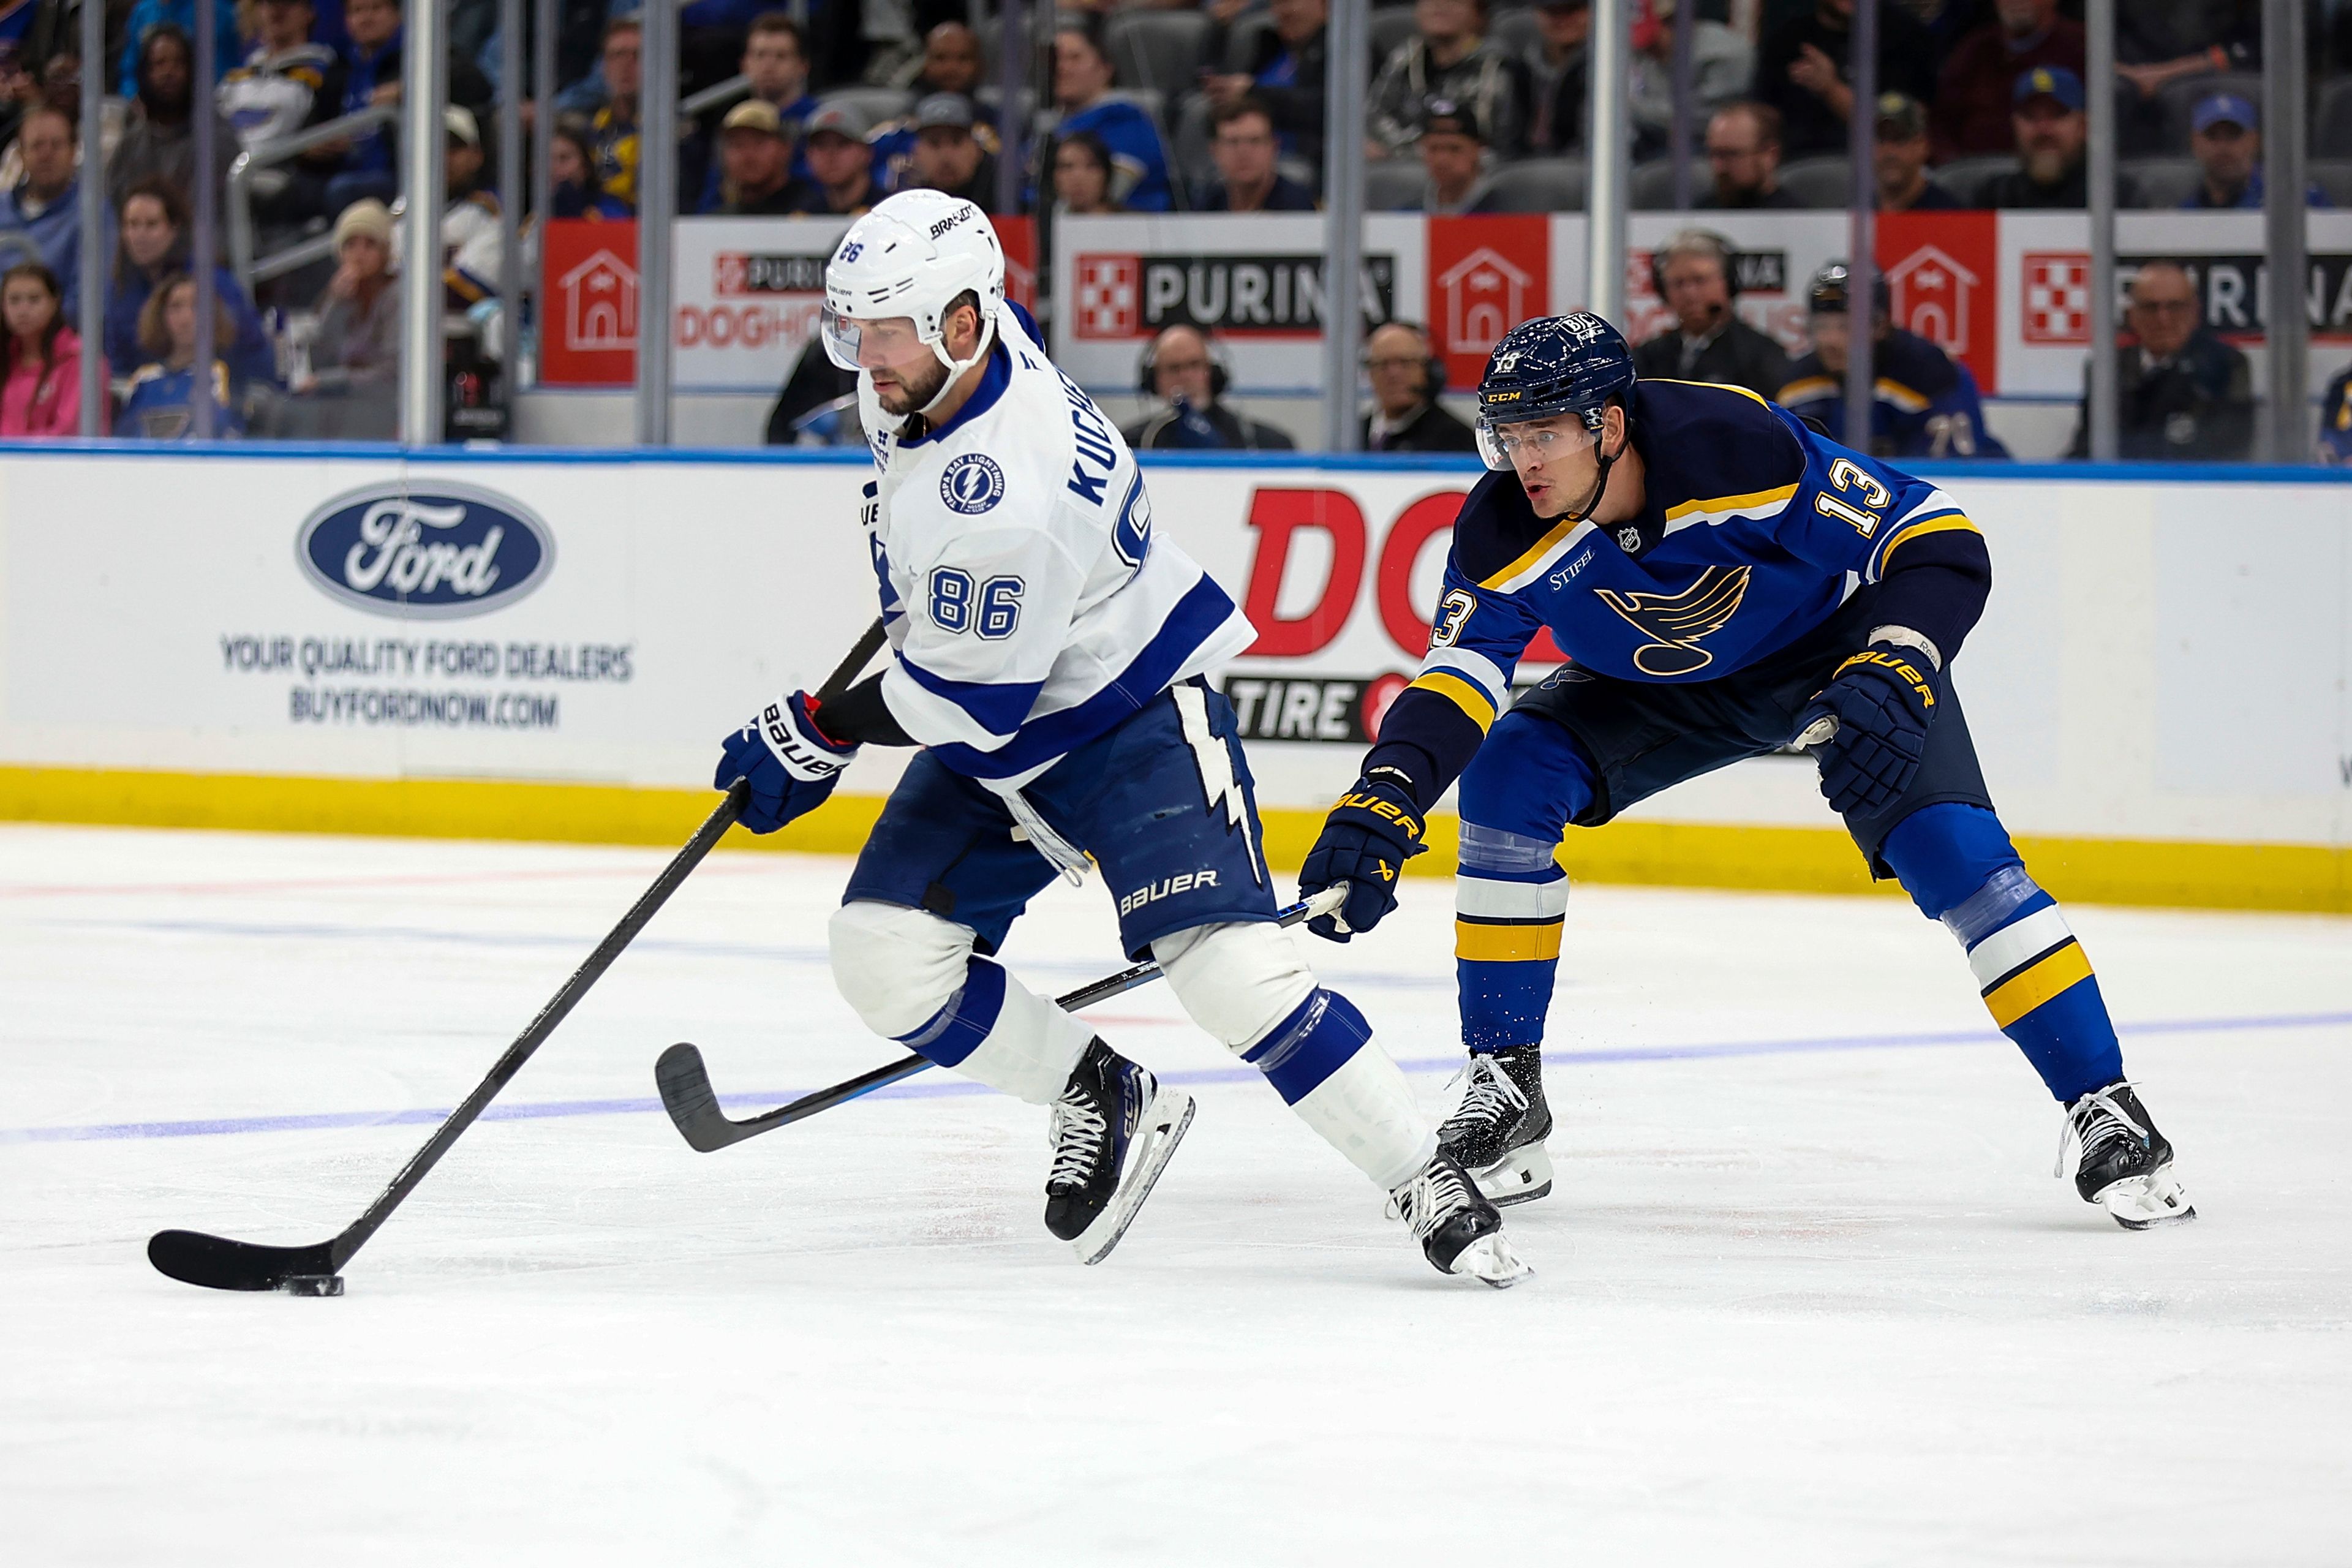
(434, 550)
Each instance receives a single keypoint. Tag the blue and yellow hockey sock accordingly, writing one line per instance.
(1957, 863)
(1511, 903)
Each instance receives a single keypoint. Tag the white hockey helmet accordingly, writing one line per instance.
(913, 256)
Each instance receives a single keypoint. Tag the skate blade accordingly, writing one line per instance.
(1490, 1261)
(1165, 1121)
(1521, 1176)
(2144, 1202)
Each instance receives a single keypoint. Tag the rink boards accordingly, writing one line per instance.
(548, 644)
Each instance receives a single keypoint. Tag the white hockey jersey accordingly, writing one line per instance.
(1030, 603)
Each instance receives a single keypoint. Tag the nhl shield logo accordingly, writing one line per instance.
(973, 483)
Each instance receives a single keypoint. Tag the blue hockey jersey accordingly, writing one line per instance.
(1924, 402)
(2335, 420)
(1753, 529)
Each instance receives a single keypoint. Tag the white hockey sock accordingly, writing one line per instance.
(1367, 1111)
(998, 1032)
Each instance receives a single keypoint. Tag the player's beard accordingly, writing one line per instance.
(916, 389)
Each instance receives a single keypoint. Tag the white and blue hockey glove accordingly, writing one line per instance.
(1883, 700)
(789, 763)
(1366, 841)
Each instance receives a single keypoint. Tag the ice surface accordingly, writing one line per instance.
(1807, 1293)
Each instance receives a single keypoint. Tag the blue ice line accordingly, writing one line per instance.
(934, 1089)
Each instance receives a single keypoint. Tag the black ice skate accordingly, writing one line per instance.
(1460, 1232)
(1497, 1129)
(1112, 1132)
(2126, 1165)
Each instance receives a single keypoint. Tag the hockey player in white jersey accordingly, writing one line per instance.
(1047, 649)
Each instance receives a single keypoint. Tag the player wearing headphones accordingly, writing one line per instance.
(1184, 369)
(1696, 273)
(1724, 581)
(1406, 376)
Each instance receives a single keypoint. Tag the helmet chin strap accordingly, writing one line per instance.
(956, 367)
(1605, 462)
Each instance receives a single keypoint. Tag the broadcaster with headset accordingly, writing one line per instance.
(1407, 375)
(1185, 370)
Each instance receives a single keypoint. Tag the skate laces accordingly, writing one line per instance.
(2095, 1121)
(1488, 1093)
(1077, 1130)
(1430, 1198)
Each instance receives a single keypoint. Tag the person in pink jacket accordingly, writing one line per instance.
(40, 363)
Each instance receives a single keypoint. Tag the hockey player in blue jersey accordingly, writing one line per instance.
(1724, 581)
(1925, 402)
(1047, 652)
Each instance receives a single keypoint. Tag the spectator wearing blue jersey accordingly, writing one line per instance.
(2335, 420)
(1082, 84)
(160, 403)
(1285, 71)
(153, 248)
(2225, 134)
(775, 68)
(149, 15)
(1924, 402)
(45, 207)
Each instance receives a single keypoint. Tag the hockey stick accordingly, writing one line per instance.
(221, 1264)
(693, 1104)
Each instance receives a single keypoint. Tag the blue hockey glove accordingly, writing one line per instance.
(1366, 841)
(791, 764)
(1883, 700)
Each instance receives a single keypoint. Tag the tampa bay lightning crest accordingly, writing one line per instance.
(973, 483)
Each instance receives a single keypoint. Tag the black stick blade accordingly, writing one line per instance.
(219, 1264)
(692, 1103)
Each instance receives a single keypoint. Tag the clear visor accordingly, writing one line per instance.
(889, 341)
(1504, 445)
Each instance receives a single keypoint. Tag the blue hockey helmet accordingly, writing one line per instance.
(1833, 287)
(1548, 367)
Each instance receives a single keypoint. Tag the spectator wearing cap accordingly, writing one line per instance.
(2052, 138)
(1082, 88)
(1248, 180)
(471, 240)
(2183, 395)
(755, 163)
(286, 84)
(1286, 72)
(1800, 70)
(1900, 154)
(1401, 364)
(1449, 58)
(1708, 342)
(1972, 95)
(842, 162)
(949, 156)
(1721, 65)
(1453, 148)
(1743, 155)
(775, 68)
(613, 133)
(2225, 134)
(354, 356)
(1561, 74)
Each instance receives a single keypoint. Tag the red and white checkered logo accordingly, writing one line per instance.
(730, 271)
(2057, 306)
(1110, 291)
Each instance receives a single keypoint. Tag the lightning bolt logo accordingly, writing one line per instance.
(1215, 763)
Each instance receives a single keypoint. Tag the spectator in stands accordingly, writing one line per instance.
(1721, 65)
(775, 64)
(1708, 342)
(1248, 181)
(843, 162)
(575, 190)
(2053, 137)
(149, 15)
(948, 152)
(711, 37)
(2184, 395)
(1183, 369)
(45, 207)
(1561, 74)
(371, 78)
(1801, 72)
(2335, 420)
(755, 165)
(288, 83)
(1082, 84)
(1406, 376)
(158, 405)
(1901, 155)
(1743, 153)
(950, 62)
(154, 246)
(1973, 94)
(2225, 134)
(1449, 57)
(40, 364)
(1453, 148)
(614, 131)
(1286, 73)
(160, 137)
(1082, 176)
(355, 350)
(473, 237)
(1924, 402)
(2160, 44)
